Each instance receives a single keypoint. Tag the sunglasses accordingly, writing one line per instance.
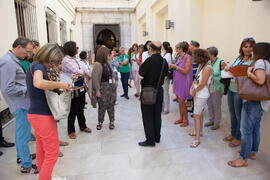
(249, 39)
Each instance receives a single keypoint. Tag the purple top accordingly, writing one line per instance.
(182, 82)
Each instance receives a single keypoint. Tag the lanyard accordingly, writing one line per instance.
(198, 72)
(239, 63)
(178, 61)
(109, 70)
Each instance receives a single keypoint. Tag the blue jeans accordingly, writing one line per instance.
(250, 127)
(235, 108)
(22, 137)
(124, 80)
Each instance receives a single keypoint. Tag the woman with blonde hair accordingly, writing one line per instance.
(39, 113)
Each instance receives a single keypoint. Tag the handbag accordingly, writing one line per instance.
(59, 102)
(249, 90)
(148, 93)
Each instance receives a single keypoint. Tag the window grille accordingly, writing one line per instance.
(51, 25)
(63, 31)
(26, 19)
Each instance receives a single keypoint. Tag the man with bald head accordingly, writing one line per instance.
(150, 73)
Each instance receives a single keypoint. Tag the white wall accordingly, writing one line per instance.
(8, 30)
(8, 33)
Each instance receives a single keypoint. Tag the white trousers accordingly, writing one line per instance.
(166, 96)
(136, 81)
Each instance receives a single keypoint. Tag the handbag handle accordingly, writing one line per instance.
(162, 69)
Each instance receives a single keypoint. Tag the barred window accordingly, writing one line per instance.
(63, 31)
(26, 18)
(51, 25)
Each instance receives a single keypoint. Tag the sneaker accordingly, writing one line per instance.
(19, 160)
(33, 138)
(58, 178)
(1, 153)
(6, 144)
(33, 156)
(123, 95)
(127, 97)
(60, 154)
(31, 170)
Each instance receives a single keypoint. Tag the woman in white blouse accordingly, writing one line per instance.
(146, 54)
(167, 55)
(135, 60)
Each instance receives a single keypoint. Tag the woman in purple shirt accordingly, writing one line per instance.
(182, 80)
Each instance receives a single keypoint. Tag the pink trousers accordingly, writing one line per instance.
(47, 143)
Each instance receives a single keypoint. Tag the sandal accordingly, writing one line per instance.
(62, 143)
(194, 134)
(99, 126)
(72, 136)
(228, 139)
(215, 127)
(195, 143)
(208, 124)
(87, 130)
(238, 163)
(233, 145)
(184, 124)
(111, 127)
(179, 121)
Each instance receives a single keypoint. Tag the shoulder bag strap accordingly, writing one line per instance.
(162, 69)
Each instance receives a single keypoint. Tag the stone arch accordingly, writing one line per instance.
(106, 37)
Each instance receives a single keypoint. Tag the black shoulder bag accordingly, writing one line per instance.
(149, 94)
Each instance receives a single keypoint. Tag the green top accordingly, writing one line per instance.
(216, 66)
(25, 65)
(124, 68)
(236, 62)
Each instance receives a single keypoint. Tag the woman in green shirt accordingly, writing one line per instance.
(234, 101)
(123, 68)
(215, 100)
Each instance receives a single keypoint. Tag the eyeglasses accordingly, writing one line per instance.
(249, 39)
(28, 52)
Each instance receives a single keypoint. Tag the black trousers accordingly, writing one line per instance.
(76, 110)
(151, 115)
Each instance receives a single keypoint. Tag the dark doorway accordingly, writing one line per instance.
(107, 34)
(107, 38)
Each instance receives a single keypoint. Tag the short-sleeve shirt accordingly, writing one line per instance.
(168, 58)
(124, 68)
(38, 102)
(259, 64)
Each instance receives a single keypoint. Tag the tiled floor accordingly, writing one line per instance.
(115, 155)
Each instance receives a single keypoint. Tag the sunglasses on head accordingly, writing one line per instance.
(248, 39)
